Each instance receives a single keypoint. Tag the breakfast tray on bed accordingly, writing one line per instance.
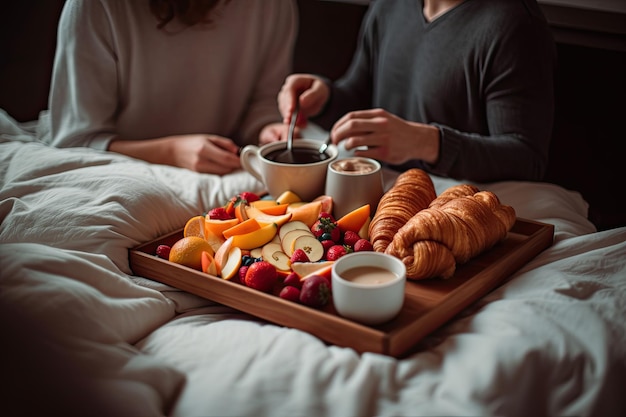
(428, 304)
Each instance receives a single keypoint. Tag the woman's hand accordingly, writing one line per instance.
(387, 137)
(312, 92)
(204, 153)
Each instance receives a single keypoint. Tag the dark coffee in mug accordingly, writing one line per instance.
(298, 156)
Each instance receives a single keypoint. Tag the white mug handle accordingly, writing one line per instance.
(249, 154)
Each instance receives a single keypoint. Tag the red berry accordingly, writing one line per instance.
(299, 255)
(315, 291)
(292, 280)
(290, 293)
(363, 245)
(163, 251)
(327, 244)
(326, 225)
(335, 252)
(242, 274)
(350, 238)
(219, 213)
(249, 197)
(326, 215)
(261, 276)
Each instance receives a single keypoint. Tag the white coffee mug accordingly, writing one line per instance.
(353, 182)
(306, 180)
(368, 287)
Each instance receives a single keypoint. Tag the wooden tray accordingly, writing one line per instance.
(428, 304)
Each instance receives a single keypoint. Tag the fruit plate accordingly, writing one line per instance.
(428, 304)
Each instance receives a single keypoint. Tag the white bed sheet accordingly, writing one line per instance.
(550, 341)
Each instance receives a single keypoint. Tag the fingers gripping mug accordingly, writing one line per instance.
(305, 174)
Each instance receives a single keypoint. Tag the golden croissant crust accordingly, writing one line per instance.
(413, 191)
(458, 225)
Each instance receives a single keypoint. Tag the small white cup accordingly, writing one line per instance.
(369, 303)
(351, 188)
(306, 180)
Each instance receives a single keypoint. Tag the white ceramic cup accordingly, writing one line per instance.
(305, 180)
(368, 303)
(351, 187)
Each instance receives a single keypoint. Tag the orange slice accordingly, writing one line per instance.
(194, 227)
(355, 219)
(244, 227)
(217, 227)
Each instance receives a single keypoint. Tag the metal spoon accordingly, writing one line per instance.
(287, 156)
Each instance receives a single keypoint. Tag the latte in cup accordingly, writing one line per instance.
(354, 166)
(370, 275)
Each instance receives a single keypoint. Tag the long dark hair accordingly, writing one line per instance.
(189, 12)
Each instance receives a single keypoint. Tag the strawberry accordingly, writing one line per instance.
(290, 293)
(327, 244)
(292, 280)
(219, 213)
(248, 196)
(326, 215)
(325, 228)
(299, 255)
(163, 251)
(261, 276)
(363, 245)
(337, 251)
(315, 291)
(350, 238)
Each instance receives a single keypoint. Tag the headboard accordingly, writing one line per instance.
(589, 142)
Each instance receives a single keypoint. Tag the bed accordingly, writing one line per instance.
(83, 335)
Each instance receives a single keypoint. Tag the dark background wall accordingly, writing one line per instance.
(589, 141)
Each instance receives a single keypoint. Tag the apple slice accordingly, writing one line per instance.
(233, 263)
(208, 264)
(289, 226)
(304, 269)
(214, 240)
(325, 272)
(269, 248)
(221, 254)
(288, 239)
(288, 197)
(310, 245)
(256, 252)
(364, 232)
(280, 261)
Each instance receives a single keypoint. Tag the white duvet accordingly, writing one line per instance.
(83, 336)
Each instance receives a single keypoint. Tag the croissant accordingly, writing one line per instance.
(412, 192)
(451, 231)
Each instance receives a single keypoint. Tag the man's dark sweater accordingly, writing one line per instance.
(482, 72)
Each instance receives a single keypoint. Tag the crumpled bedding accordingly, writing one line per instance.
(85, 336)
